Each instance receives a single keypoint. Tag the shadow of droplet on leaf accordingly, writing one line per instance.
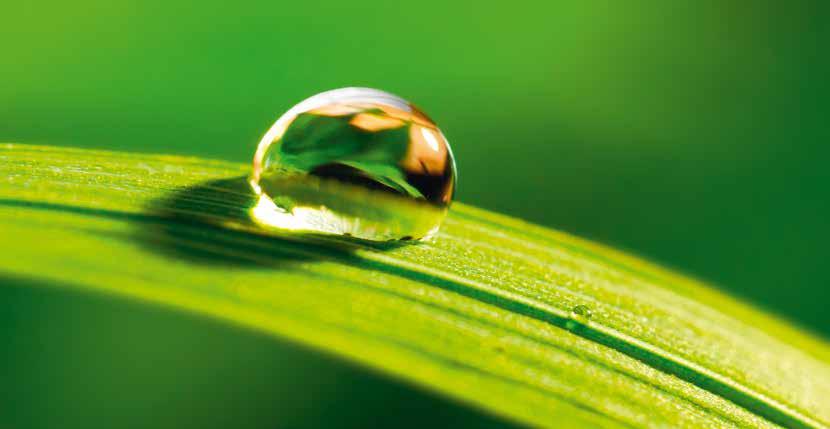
(210, 223)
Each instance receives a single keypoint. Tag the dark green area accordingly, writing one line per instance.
(90, 361)
(694, 133)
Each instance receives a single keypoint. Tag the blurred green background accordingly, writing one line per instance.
(691, 132)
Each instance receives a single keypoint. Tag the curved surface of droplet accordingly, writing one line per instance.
(354, 161)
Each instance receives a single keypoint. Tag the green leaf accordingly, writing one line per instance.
(482, 314)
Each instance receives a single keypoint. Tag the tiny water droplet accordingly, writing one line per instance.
(354, 162)
(580, 315)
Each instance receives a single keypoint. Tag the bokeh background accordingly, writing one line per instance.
(694, 133)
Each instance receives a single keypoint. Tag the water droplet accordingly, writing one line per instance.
(580, 316)
(355, 162)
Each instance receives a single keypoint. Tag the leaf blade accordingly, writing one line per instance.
(491, 295)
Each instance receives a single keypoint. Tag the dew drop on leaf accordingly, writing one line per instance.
(580, 315)
(354, 162)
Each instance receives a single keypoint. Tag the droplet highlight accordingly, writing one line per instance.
(356, 162)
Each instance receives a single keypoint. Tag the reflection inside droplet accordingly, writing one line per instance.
(354, 161)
